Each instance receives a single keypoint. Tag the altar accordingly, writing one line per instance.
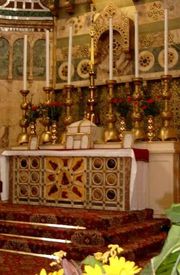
(90, 179)
(146, 176)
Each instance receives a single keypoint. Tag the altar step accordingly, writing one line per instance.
(45, 230)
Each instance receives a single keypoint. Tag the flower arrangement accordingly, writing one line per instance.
(108, 263)
(123, 105)
(51, 110)
(150, 106)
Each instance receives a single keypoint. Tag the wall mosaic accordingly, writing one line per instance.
(11, 59)
(151, 16)
(4, 57)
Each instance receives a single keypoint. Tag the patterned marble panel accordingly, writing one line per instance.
(83, 182)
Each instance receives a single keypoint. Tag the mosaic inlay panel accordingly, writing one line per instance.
(84, 182)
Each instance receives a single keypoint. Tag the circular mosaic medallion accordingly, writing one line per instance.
(111, 163)
(35, 163)
(111, 194)
(97, 194)
(63, 71)
(146, 61)
(97, 178)
(97, 163)
(23, 163)
(34, 191)
(35, 177)
(23, 176)
(23, 190)
(83, 68)
(111, 179)
(172, 58)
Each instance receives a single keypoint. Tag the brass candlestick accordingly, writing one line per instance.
(68, 103)
(167, 131)
(91, 102)
(46, 134)
(137, 129)
(68, 117)
(110, 133)
(49, 93)
(23, 137)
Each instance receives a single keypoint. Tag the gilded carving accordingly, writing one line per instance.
(122, 27)
(52, 5)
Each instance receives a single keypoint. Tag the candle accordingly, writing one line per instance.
(136, 45)
(110, 49)
(165, 40)
(69, 55)
(92, 50)
(92, 13)
(47, 58)
(25, 64)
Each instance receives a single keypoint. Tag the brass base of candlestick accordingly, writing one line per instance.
(23, 138)
(168, 134)
(137, 130)
(167, 131)
(110, 132)
(46, 134)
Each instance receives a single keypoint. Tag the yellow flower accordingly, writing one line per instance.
(115, 249)
(93, 270)
(119, 266)
(105, 257)
(43, 272)
(59, 255)
(98, 256)
(59, 272)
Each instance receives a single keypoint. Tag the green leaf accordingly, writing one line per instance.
(91, 260)
(173, 213)
(172, 243)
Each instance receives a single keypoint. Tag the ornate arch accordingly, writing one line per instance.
(121, 24)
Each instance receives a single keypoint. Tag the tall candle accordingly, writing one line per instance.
(92, 51)
(165, 40)
(25, 63)
(110, 49)
(47, 58)
(69, 55)
(136, 45)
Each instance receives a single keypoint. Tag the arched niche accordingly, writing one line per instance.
(123, 33)
(39, 61)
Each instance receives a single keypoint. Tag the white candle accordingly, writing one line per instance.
(47, 58)
(69, 55)
(165, 40)
(136, 45)
(92, 51)
(110, 49)
(92, 13)
(25, 64)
